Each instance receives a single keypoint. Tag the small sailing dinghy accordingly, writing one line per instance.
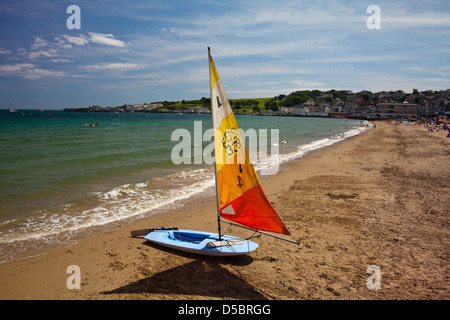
(240, 197)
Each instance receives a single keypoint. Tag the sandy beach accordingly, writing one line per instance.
(379, 199)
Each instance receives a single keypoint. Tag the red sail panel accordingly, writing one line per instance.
(243, 200)
(254, 210)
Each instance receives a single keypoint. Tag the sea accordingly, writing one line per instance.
(61, 180)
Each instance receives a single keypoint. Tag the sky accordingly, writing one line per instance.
(155, 50)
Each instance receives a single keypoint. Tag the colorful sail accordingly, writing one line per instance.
(241, 197)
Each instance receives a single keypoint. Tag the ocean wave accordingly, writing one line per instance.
(123, 202)
(137, 200)
(305, 149)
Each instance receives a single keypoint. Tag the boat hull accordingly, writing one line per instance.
(197, 242)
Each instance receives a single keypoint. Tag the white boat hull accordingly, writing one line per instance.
(197, 242)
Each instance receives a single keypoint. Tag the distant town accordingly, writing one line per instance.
(314, 103)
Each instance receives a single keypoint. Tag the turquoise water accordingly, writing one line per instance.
(60, 179)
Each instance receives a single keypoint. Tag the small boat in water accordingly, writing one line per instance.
(92, 125)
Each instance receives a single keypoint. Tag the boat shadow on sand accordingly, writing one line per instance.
(203, 277)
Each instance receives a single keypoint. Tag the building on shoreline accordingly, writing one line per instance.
(197, 110)
(314, 103)
(397, 109)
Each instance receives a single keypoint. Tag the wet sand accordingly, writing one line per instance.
(379, 199)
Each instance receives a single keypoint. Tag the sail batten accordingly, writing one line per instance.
(240, 195)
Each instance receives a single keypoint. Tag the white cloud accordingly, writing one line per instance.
(28, 64)
(106, 39)
(40, 48)
(99, 38)
(42, 53)
(60, 60)
(261, 48)
(4, 51)
(28, 70)
(79, 41)
(307, 84)
(114, 65)
(422, 19)
(13, 68)
(39, 73)
(39, 43)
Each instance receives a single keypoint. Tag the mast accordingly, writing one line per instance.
(215, 167)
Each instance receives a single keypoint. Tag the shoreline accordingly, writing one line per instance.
(331, 115)
(346, 205)
(24, 244)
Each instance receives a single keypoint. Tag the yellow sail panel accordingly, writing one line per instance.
(241, 197)
(214, 74)
(220, 107)
(229, 143)
(234, 180)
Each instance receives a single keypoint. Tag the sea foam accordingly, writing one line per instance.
(130, 201)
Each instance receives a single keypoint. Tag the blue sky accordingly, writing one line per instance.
(144, 51)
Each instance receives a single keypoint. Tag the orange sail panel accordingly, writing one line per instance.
(241, 197)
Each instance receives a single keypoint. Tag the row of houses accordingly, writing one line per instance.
(197, 109)
(146, 107)
(373, 105)
(379, 110)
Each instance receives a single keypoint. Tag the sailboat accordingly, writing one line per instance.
(239, 195)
